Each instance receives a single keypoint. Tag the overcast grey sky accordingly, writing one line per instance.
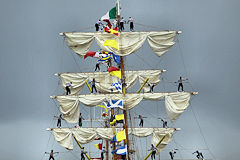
(32, 52)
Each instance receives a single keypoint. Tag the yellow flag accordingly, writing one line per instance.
(111, 43)
(119, 117)
(121, 135)
(116, 73)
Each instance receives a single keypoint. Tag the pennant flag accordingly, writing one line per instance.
(111, 31)
(117, 86)
(111, 43)
(110, 14)
(121, 150)
(115, 104)
(110, 69)
(90, 53)
(102, 106)
(98, 146)
(117, 119)
(116, 58)
(119, 136)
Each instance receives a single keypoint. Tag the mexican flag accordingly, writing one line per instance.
(110, 14)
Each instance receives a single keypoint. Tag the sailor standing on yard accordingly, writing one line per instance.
(171, 153)
(59, 123)
(51, 154)
(102, 153)
(68, 86)
(154, 150)
(180, 84)
(80, 120)
(82, 154)
(151, 85)
(97, 66)
(199, 154)
(141, 120)
(164, 123)
(97, 24)
(93, 85)
(122, 24)
(131, 23)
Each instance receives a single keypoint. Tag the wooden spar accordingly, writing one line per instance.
(81, 148)
(125, 126)
(156, 146)
(142, 85)
(107, 147)
(88, 86)
(113, 129)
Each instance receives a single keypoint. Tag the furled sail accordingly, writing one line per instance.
(175, 103)
(104, 79)
(86, 135)
(129, 42)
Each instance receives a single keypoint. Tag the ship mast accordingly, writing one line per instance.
(125, 126)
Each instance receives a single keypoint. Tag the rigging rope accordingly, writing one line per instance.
(150, 26)
(201, 131)
(72, 56)
(177, 147)
(180, 49)
(143, 61)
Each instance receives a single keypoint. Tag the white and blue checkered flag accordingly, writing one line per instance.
(117, 86)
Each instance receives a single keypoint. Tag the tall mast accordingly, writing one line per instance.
(125, 126)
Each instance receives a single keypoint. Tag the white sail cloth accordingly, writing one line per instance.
(157, 136)
(104, 79)
(129, 42)
(86, 135)
(175, 102)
